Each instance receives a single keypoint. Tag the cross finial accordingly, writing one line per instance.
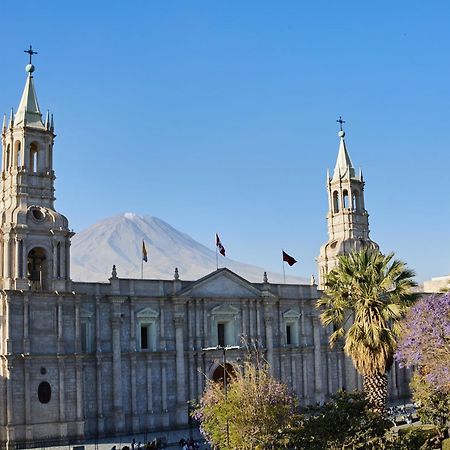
(340, 121)
(30, 52)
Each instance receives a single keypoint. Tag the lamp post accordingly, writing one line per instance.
(224, 349)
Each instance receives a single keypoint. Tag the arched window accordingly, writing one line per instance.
(345, 199)
(37, 272)
(355, 201)
(335, 201)
(33, 157)
(18, 149)
(8, 157)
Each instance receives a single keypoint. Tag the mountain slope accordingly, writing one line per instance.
(118, 240)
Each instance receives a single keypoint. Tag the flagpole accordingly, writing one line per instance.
(142, 268)
(282, 262)
(217, 258)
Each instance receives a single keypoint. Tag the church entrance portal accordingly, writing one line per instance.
(37, 269)
(218, 373)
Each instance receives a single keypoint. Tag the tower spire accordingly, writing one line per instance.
(38, 236)
(28, 112)
(348, 220)
(344, 165)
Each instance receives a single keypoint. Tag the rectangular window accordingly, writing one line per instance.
(288, 335)
(221, 334)
(144, 337)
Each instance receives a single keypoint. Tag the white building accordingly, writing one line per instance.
(93, 359)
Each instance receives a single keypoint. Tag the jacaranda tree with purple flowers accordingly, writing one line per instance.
(425, 344)
(425, 340)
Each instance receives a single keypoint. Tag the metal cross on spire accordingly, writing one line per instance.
(340, 121)
(30, 52)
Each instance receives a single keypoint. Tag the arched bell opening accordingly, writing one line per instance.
(37, 269)
(335, 201)
(34, 155)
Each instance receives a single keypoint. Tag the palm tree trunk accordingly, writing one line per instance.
(375, 387)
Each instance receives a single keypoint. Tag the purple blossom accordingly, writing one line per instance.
(425, 341)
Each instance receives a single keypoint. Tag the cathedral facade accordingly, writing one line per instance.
(82, 360)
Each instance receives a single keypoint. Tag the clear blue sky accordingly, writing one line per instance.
(220, 116)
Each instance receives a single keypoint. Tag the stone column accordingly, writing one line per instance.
(6, 257)
(198, 322)
(180, 371)
(63, 261)
(9, 400)
(134, 411)
(132, 327)
(244, 319)
(164, 411)
(77, 327)
(116, 320)
(79, 384)
(258, 321)
(162, 328)
(26, 326)
(27, 403)
(305, 378)
(268, 320)
(55, 259)
(252, 320)
(329, 373)
(62, 399)
(16, 258)
(67, 260)
(149, 392)
(98, 347)
(100, 419)
(60, 322)
(293, 371)
(318, 374)
(206, 327)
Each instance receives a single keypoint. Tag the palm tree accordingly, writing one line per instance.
(365, 297)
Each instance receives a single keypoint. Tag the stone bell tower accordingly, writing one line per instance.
(348, 220)
(34, 238)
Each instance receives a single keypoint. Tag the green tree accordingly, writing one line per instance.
(433, 404)
(366, 296)
(251, 415)
(344, 422)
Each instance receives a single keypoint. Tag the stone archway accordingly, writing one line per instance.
(37, 269)
(218, 373)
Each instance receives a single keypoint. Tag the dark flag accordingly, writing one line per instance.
(219, 245)
(144, 252)
(289, 259)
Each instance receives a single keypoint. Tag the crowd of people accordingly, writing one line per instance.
(189, 444)
(160, 443)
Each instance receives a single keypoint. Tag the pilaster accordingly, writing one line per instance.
(180, 370)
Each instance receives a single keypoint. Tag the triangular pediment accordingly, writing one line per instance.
(224, 309)
(147, 313)
(291, 314)
(222, 283)
(85, 314)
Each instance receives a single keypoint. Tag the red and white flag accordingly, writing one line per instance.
(219, 245)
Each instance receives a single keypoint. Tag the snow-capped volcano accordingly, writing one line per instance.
(118, 240)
